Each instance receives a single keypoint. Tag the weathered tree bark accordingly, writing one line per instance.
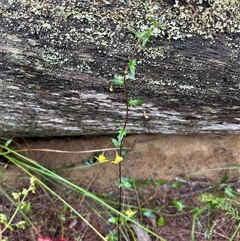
(57, 58)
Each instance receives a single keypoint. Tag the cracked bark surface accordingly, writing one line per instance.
(56, 59)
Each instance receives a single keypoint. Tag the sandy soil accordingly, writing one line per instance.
(149, 156)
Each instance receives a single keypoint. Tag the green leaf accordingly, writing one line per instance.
(224, 178)
(32, 181)
(62, 217)
(147, 182)
(197, 211)
(90, 161)
(136, 34)
(113, 220)
(3, 218)
(118, 80)
(132, 67)
(116, 143)
(149, 214)
(121, 133)
(8, 142)
(160, 221)
(21, 224)
(230, 192)
(160, 182)
(134, 102)
(113, 236)
(123, 153)
(178, 204)
(125, 182)
(176, 184)
(26, 206)
(129, 77)
(146, 37)
(24, 191)
(16, 195)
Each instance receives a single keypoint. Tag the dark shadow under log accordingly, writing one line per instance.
(56, 60)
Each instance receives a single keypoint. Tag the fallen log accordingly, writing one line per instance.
(57, 57)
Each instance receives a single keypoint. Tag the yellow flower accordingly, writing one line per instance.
(101, 158)
(117, 159)
(130, 213)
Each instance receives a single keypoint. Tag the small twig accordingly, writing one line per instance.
(70, 152)
(141, 234)
(209, 188)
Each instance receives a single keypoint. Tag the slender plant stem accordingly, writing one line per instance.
(133, 55)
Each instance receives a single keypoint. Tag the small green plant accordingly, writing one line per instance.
(121, 80)
(21, 205)
(228, 205)
(178, 204)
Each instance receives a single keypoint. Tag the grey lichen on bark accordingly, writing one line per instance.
(57, 58)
